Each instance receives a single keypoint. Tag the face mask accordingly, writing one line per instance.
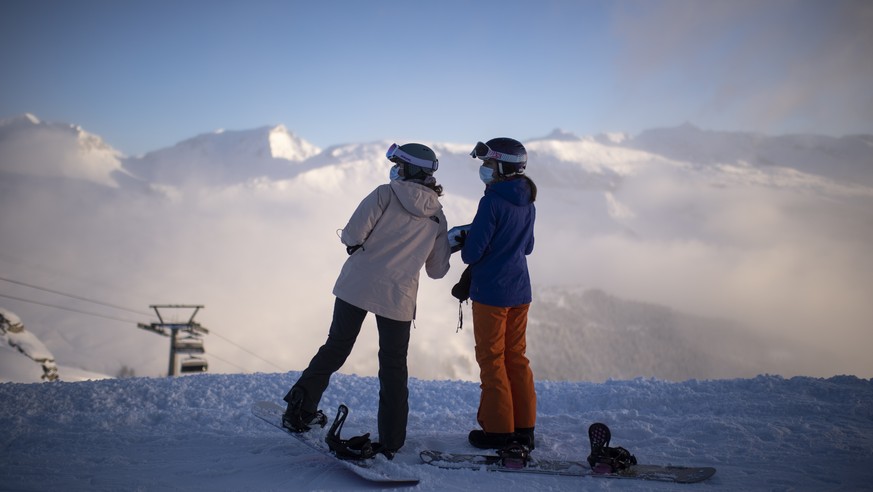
(394, 174)
(486, 174)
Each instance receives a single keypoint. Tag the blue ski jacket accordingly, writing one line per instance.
(498, 242)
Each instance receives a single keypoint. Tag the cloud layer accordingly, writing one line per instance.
(777, 248)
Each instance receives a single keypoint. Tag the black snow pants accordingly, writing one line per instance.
(393, 372)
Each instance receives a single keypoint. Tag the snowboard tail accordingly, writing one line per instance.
(373, 470)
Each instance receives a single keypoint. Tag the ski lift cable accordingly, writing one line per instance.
(58, 272)
(211, 355)
(72, 296)
(212, 332)
(67, 309)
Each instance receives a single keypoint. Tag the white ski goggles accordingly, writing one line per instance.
(484, 152)
(396, 151)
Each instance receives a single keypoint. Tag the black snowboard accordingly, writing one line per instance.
(678, 474)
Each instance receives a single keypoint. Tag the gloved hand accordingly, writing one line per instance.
(460, 239)
(457, 235)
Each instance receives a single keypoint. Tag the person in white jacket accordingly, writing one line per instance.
(396, 229)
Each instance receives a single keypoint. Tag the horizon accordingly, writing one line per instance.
(770, 233)
(555, 132)
(147, 75)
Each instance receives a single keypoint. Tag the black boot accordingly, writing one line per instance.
(488, 440)
(525, 436)
(298, 420)
(380, 448)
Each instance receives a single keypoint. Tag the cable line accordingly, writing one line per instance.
(68, 309)
(213, 356)
(212, 332)
(72, 296)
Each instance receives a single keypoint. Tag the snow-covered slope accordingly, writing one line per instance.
(245, 223)
(24, 358)
(225, 157)
(30, 147)
(846, 159)
(197, 433)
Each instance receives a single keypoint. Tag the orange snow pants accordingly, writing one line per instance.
(508, 400)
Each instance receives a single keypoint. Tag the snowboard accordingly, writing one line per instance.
(376, 470)
(678, 474)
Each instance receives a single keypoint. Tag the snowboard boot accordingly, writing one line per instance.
(525, 436)
(488, 440)
(380, 448)
(298, 420)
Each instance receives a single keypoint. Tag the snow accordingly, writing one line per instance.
(285, 145)
(56, 150)
(17, 367)
(230, 156)
(24, 357)
(197, 433)
(29, 345)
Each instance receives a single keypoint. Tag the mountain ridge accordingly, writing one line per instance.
(231, 156)
(220, 220)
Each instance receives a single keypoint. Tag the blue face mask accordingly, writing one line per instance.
(394, 174)
(486, 174)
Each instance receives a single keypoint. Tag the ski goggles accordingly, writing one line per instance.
(396, 151)
(484, 152)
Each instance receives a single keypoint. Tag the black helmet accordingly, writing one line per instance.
(510, 154)
(415, 158)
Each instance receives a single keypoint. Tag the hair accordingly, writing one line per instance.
(421, 177)
(432, 184)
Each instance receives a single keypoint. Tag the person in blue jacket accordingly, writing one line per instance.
(496, 248)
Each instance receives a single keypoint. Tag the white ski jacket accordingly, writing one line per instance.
(400, 227)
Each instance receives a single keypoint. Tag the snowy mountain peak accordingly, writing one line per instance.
(612, 138)
(25, 119)
(560, 135)
(32, 147)
(265, 142)
(285, 145)
(226, 157)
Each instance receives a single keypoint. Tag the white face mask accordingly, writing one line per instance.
(486, 174)
(394, 173)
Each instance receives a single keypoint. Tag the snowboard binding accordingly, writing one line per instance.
(604, 459)
(514, 455)
(355, 448)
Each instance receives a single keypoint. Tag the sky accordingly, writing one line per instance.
(146, 75)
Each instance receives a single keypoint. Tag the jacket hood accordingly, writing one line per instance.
(514, 191)
(417, 199)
